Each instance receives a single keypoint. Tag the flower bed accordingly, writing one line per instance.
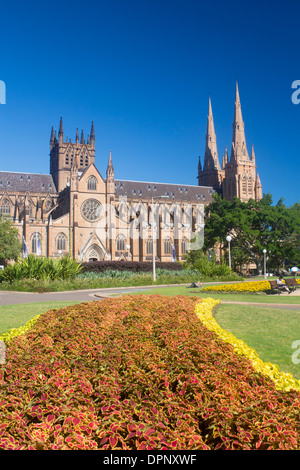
(240, 287)
(138, 372)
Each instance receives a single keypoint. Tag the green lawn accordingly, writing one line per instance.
(270, 331)
(16, 315)
(257, 298)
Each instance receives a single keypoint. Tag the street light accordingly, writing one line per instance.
(128, 251)
(152, 230)
(265, 270)
(228, 238)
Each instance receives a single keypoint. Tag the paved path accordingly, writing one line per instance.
(89, 295)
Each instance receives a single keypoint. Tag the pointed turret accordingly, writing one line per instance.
(199, 166)
(52, 138)
(239, 149)
(82, 137)
(110, 176)
(211, 159)
(92, 137)
(61, 131)
(225, 159)
(77, 136)
(258, 188)
(252, 154)
(110, 165)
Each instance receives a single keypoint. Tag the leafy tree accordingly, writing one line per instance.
(254, 226)
(10, 243)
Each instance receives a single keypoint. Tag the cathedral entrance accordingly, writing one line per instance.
(94, 253)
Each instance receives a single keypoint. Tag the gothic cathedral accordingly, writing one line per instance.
(76, 211)
(237, 177)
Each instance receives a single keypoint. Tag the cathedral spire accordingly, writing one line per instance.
(61, 131)
(82, 138)
(77, 136)
(92, 136)
(239, 148)
(211, 159)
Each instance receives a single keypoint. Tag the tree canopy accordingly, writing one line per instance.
(255, 226)
(10, 243)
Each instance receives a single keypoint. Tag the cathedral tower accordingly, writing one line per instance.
(240, 171)
(63, 152)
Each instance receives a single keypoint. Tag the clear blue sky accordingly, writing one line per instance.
(143, 70)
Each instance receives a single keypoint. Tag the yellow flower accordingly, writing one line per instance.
(283, 380)
(252, 286)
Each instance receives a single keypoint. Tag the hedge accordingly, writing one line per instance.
(135, 266)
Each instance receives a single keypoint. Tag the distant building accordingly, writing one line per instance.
(76, 211)
(237, 177)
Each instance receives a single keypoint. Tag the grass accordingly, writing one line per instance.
(16, 315)
(257, 298)
(108, 279)
(270, 332)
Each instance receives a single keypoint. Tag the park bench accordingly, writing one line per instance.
(274, 288)
(292, 283)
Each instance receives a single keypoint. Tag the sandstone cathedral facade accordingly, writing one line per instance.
(76, 211)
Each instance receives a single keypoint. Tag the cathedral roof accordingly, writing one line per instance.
(170, 191)
(23, 182)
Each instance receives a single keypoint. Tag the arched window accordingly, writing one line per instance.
(149, 246)
(120, 242)
(167, 246)
(86, 161)
(92, 183)
(61, 242)
(81, 160)
(36, 243)
(5, 207)
(67, 161)
(184, 246)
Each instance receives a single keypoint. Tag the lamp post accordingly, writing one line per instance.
(80, 256)
(265, 270)
(228, 238)
(128, 251)
(152, 230)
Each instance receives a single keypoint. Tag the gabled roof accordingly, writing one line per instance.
(170, 191)
(23, 182)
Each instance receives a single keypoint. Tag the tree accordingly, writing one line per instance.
(10, 243)
(254, 226)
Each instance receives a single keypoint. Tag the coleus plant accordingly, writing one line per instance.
(137, 372)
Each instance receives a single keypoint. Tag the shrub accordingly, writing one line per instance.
(41, 268)
(138, 373)
(134, 266)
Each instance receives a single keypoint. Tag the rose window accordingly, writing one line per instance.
(91, 210)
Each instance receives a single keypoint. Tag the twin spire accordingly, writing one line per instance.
(238, 147)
